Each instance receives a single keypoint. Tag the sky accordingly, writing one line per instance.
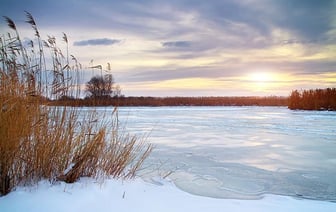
(194, 47)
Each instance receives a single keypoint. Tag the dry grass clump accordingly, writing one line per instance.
(38, 141)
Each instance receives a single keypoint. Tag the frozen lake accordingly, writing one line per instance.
(240, 152)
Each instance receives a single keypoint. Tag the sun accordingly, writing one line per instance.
(261, 77)
(261, 81)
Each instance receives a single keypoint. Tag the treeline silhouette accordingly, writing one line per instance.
(318, 99)
(172, 101)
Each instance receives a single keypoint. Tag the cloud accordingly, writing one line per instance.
(182, 44)
(97, 42)
(194, 38)
(176, 72)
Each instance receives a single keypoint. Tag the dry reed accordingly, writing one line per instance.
(38, 141)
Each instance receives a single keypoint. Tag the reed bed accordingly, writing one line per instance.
(39, 141)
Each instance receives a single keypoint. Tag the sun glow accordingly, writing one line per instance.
(262, 81)
(261, 77)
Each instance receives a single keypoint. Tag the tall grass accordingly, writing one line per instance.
(38, 141)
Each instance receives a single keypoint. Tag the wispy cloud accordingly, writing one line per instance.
(97, 42)
(179, 44)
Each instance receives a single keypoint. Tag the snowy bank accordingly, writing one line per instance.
(140, 196)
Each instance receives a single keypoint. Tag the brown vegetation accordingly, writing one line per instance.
(318, 99)
(39, 141)
(174, 101)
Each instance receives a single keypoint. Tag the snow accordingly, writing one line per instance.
(140, 196)
(221, 158)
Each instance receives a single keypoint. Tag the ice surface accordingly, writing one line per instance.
(241, 152)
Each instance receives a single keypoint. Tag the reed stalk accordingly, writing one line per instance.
(39, 141)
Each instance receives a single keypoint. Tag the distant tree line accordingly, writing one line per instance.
(174, 101)
(318, 99)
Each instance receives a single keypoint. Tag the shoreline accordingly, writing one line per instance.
(171, 101)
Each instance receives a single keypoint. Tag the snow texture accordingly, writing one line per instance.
(140, 196)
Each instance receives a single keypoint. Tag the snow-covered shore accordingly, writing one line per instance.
(140, 196)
